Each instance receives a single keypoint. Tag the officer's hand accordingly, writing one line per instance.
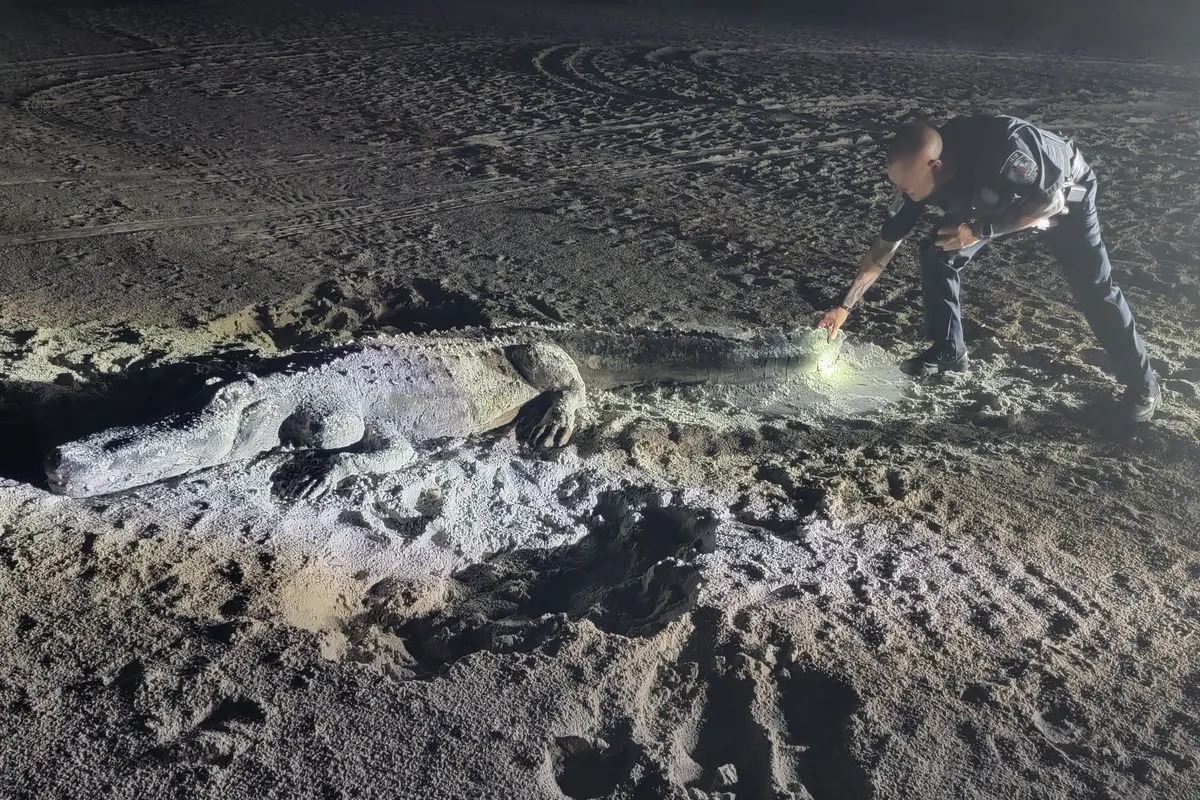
(833, 321)
(956, 237)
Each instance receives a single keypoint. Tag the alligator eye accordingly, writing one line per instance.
(118, 442)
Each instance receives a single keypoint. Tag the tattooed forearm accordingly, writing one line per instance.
(881, 252)
(870, 269)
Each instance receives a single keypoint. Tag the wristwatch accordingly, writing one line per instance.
(843, 305)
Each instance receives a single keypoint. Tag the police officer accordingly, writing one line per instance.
(992, 176)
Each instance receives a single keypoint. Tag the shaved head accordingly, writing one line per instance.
(914, 159)
(915, 140)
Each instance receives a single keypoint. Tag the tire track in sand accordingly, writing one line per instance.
(341, 214)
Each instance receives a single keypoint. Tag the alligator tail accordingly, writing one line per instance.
(608, 360)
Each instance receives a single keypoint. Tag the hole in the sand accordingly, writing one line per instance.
(223, 632)
(632, 575)
(232, 712)
(235, 606)
(164, 586)
(818, 710)
(732, 747)
(586, 770)
(129, 678)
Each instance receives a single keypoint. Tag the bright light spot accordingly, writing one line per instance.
(827, 361)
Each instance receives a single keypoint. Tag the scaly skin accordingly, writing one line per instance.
(367, 404)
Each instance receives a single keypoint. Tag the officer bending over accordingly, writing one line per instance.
(992, 176)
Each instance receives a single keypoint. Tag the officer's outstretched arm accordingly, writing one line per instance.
(869, 270)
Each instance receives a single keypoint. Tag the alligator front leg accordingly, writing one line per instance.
(548, 368)
(384, 453)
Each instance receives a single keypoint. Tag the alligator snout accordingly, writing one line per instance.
(54, 477)
(65, 474)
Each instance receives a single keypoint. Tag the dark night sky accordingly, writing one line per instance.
(1144, 27)
(1166, 28)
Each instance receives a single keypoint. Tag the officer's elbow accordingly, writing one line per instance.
(1043, 207)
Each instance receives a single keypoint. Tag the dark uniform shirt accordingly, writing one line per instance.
(999, 162)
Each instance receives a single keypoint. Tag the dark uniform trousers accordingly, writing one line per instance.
(1076, 244)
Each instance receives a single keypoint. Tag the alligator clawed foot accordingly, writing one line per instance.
(554, 430)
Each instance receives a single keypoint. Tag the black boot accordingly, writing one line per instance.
(1140, 402)
(943, 357)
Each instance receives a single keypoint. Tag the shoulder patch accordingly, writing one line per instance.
(897, 204)
(1020, 168)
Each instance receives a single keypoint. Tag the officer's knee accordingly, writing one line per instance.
(1088, 268)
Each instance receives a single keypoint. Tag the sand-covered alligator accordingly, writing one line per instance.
(369, 402)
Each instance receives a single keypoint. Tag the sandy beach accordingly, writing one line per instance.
(851, 584)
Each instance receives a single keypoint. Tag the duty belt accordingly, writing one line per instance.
(1073, 189)
(1077, 168)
